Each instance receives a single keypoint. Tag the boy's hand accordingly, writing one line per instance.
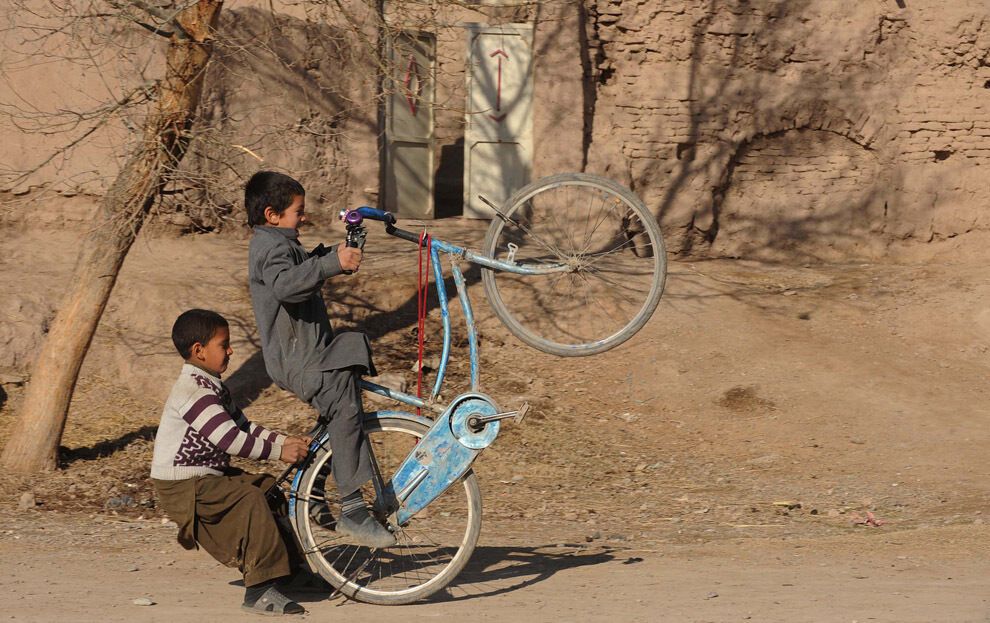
(294, 449)
(349, 257)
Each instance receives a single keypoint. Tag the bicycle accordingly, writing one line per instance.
(418, 460)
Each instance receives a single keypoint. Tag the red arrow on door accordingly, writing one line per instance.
(500, 53)
(412, 73)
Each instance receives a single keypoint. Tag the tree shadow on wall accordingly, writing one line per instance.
(281, 92)
(736, 56)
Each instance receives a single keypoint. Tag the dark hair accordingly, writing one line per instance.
(269, 189)
(195, 325)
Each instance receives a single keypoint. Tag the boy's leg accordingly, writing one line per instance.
(280, 510)
(338, 402)
(236, 526)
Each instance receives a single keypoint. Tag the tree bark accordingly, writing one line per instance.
(33, 444)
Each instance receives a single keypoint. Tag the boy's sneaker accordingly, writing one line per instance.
(365, 529)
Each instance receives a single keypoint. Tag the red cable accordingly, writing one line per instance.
(422, 290)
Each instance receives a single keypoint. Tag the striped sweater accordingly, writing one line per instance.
(201, 428)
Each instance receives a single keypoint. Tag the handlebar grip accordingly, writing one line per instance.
(401, 233)
(376, 214)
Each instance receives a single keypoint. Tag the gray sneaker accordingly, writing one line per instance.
(365, 530)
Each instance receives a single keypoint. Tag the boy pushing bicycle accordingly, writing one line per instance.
(222, 509)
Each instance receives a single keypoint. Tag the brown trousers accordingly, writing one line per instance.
(230, 517)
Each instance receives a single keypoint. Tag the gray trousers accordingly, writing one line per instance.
(338, 402)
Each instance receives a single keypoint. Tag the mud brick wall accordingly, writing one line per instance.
(769, 129)
(758, 128)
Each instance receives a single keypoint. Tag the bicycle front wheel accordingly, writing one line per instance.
(615, 258)
(430, 550)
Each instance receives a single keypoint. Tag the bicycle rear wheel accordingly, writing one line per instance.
(430, 550)
(616, 259)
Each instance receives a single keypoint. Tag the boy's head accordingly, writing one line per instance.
(274, 199)
(202, 338)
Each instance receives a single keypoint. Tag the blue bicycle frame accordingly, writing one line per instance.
(455, 253)
(471, 420)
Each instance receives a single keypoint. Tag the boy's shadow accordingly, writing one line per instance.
(248, 382)
(498, 570)
(251, 379)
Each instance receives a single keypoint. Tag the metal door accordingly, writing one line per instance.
(498, 138)
(408, 154)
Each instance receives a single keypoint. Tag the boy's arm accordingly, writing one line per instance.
(321, 250)
(257, 430)
(205, 414)
(294, 283)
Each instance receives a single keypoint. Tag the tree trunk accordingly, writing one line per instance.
(33, 445)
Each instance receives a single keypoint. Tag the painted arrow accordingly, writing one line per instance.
(412, 73)
(500, 53)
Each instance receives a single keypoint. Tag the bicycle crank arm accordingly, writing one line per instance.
(476, 421)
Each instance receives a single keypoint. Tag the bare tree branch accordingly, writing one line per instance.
(104, 117)
(161, 15)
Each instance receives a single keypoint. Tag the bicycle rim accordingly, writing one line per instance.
(615, 253)
(430, 550)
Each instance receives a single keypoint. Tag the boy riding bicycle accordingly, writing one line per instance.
(301, 351)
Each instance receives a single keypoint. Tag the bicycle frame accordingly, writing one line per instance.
(455, 253)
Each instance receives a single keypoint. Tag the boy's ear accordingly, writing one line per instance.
(271, 216)
(196, 351)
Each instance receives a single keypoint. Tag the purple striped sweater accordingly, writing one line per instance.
(201, 428)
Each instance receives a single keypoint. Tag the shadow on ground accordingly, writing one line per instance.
(103, 449)
(499, 570)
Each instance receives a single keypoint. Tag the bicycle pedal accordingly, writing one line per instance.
(521, 415)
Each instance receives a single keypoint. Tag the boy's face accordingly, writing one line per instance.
(292, 217)
(215, 354)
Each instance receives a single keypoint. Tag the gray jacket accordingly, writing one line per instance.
(296, 338)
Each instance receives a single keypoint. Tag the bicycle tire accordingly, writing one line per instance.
(403, 573)
(576, 326)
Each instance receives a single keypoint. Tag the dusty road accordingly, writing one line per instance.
(82, 569)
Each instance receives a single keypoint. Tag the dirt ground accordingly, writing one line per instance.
(715, 468)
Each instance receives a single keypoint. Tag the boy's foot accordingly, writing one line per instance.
(364, 529)
(273, 603)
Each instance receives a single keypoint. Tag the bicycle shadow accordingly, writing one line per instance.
(499, 570)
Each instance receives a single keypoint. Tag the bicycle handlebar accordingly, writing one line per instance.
(392, 230)
(354, 217)
(376, 215)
